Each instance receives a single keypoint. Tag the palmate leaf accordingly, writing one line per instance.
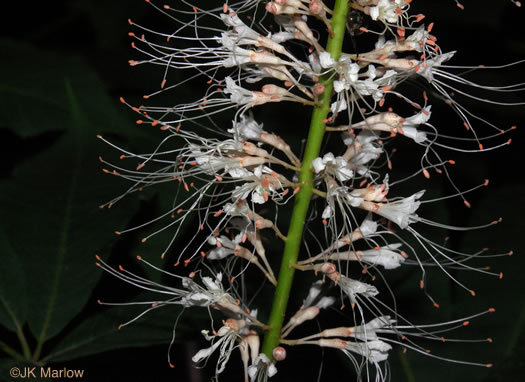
(13, 299)
(50, 210)
(33, 98)
(100, 332)
(52, 224)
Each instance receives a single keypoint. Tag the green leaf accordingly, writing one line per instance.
(100, 333)
(13, 301)
(56, 226)
(35, 101)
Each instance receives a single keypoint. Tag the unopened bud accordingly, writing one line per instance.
(279, 353)
(316, 7)
(318, 89)
(251, 149)
(273, 90)
(254, 343)
(335, 343)
(328, 268)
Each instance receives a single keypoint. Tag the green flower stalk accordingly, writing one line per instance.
(234, 180)
(302, 202)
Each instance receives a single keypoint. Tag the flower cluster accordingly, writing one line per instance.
(235, 179)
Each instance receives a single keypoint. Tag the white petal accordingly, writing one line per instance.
(326, 60)
(252, 370)
(205, 353)
(368, 226)
(219, 253)
(415, 134)
(313, 292)
(374, 13)
(209, 283)
(327, 212)
(338, 106)
(339, 86)
(328, 158)
(325, 302)
(318, 165)
(258, 197)
(272, 370)
(200, 297)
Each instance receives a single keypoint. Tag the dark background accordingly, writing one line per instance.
(63, 68)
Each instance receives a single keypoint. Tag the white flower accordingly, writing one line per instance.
(256, 74)
(319, 164)
(353, 199)
(419, 118)
(385, 256)
(281, 37)
(213, 296)
(368, 226)
(374, 351)
(326, 60)
(426, 68)
(246, 128)
(248, 98)
(241, 208)
(401, 211)
(261, 187)
(199, 296)
(313, 294)
(348, 74)
(371, 72)
(369, 87)
(337, 167)
(352, 288)
(227, 342)
(338, 106)
(415, 42)
(236, 55)
(313, 60)
(350, 70)
(239, 95)
(368, 331)
(225, 248)
(339, 86)
(386, 10)
(325, 302)
(362, 149)
(253, 189)
(327, 212)
(261, 368)
(216, 161)
(191, 294)
(339, 194)
(243, 33)
(237, 209)
(410, 124)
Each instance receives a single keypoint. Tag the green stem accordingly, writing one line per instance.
(409, 375)
(12, 352)
(303, 197)
(23, 342)
(19, 331)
